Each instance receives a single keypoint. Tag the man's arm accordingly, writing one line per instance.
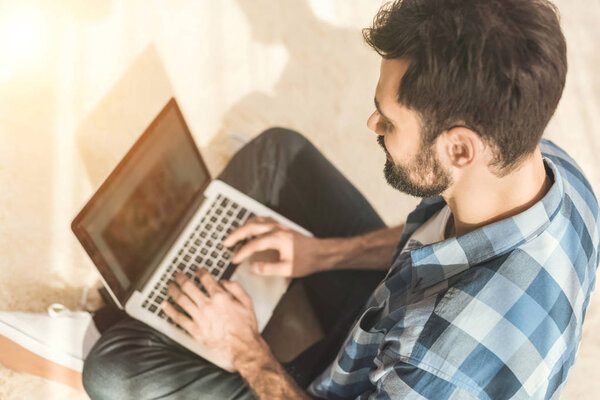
(265, 375)
(222, 319)
(302, 255)
(373, 250)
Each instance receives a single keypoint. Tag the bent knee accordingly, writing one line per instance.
(93, 378)
(283, 136)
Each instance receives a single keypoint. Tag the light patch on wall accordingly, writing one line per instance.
(4, 74)
(338, 13)
(22, 36)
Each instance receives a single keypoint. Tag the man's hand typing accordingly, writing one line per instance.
(298, 253)
(222, 319)
(301, 255)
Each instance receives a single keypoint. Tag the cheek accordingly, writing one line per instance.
(397, 149)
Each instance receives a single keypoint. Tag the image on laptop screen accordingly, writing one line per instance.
(135, 219)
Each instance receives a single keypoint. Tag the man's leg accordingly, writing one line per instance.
(283, 170)
(133, 361)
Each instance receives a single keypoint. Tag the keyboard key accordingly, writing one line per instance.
(193, 249)
(187, 258)
(220, 246)
(198, 259)
(152, 307)
(241, 214)
(194, 267)
(229, 213)
(214, 254)
(213, 219)
(204, 251)
(181, 266)
(215, 272)
(209, 243)
(208, 227)
(203, 234)
(219, 212)
(234, 205)
(209, 263)
(159, 299)
(220, 263)
(220, 228)
(214, 235)
(225, 202)
(197, 242)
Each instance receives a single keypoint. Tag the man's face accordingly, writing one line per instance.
(411, 166)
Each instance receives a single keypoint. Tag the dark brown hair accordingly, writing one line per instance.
(496, 66)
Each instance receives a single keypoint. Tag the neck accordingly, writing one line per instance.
(483, 198)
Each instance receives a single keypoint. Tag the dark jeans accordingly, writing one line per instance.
(282, 169)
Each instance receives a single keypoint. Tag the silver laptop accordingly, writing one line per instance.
(159, 213)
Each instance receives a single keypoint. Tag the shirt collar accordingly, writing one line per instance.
(439, 261)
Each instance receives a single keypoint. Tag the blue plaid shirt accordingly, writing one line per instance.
(494, 314)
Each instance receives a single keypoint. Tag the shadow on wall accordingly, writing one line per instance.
(325, 91)
(110, 130)
(323, 82)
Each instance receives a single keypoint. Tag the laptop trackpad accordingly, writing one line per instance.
(265, 291)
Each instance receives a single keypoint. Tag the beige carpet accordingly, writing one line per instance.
(93, 74)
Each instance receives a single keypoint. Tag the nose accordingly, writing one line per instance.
(372, 122)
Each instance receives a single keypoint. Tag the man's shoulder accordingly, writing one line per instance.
(574, 230)
(572, 175)
(495, 326)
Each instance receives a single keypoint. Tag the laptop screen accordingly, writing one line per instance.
(139, 211)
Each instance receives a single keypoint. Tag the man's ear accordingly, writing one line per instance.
(461, 146)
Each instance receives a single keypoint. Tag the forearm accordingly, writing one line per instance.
(371, 251)
(265, 375)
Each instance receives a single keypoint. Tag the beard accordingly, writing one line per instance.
(426, 164)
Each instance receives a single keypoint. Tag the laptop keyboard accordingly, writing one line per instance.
(204, 248)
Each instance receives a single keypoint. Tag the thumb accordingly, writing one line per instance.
(282, 268)
(238, 292)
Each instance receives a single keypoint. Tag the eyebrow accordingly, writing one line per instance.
(379, 109)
